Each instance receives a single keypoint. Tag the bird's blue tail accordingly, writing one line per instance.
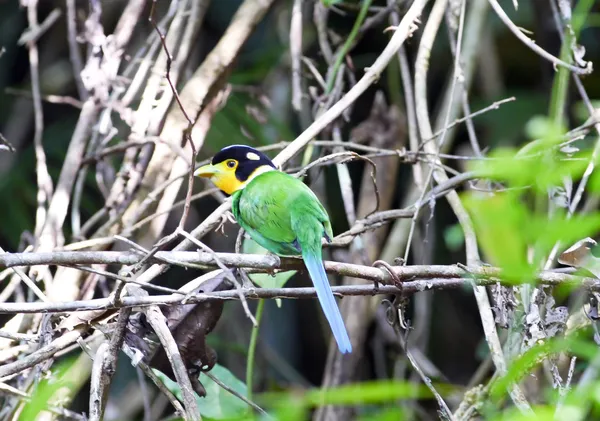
(314, 264)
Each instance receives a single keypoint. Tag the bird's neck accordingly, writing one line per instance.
(260, 170)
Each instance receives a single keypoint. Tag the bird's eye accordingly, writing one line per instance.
(231, 164)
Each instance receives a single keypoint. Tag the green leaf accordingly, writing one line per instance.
(328, 3)
(499, 222)
(594, 183)
(506, 228)
(581, 111)
(390, 414)
(545, 129)
(373, 392)
(454, 237)
(64, 382)
(533, 357)
(218, 404)
(548, 232)
(265, 280)
(542, 171)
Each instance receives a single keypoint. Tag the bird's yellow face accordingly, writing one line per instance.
(222, 175)
(234, 166)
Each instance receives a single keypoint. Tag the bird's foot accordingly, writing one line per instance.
(226, 217)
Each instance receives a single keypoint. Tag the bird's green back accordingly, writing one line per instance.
(271, 205)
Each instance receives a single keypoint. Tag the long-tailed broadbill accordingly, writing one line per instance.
(280, 213)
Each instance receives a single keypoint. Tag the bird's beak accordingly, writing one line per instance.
(206, 171)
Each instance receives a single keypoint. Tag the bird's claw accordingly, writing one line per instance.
(226, 217)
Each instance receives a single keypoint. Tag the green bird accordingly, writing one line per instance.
(280, 213)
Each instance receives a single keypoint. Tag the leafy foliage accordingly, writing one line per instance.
(218, 404)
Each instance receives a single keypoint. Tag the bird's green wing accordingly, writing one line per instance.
(264, 209)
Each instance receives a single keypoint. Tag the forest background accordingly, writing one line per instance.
(453, 142)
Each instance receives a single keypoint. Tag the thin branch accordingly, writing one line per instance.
(34, 32)
(447, 414)
(42, 354)
(228, 274)
(44, 182)
(402, 32)
(74, 53)
(254, 406)
(534, 47)
(296, 53)
(105, 365)
(27, 280)
(414, 279)
(157, 320)
(472, 251)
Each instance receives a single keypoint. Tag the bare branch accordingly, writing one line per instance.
(536, 48)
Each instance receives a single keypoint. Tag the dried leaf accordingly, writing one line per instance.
(189, 324)
(593, 300)
(555, 321)
(558, 196)
(533, 332)
(579, 254)
(79, 318)
(504, 305)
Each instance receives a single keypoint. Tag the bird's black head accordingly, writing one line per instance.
(234, 166)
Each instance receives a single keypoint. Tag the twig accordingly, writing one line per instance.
(59, 204)
(402, 32)
(5, 144)
(464, 92)
(98, 387)
(44, 182)
(320, 14)
(105, 365)
(409, 99)
(345, 180)
(447, 414)
(18, 336)
(470, 116)
(34, 32)
(74, 53)
(152, 376)
(42, 354)
(27, 280)
(130, 258)
(52, 99)
(200, 99)
(158, 323)
(187, 133)
(400, 35)
(534, 47)
(421, 67)
(296, 53)
(126, 279)
(563, 391)
(236, 394)
(414, 279)
(228, 273)
(251, 360)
